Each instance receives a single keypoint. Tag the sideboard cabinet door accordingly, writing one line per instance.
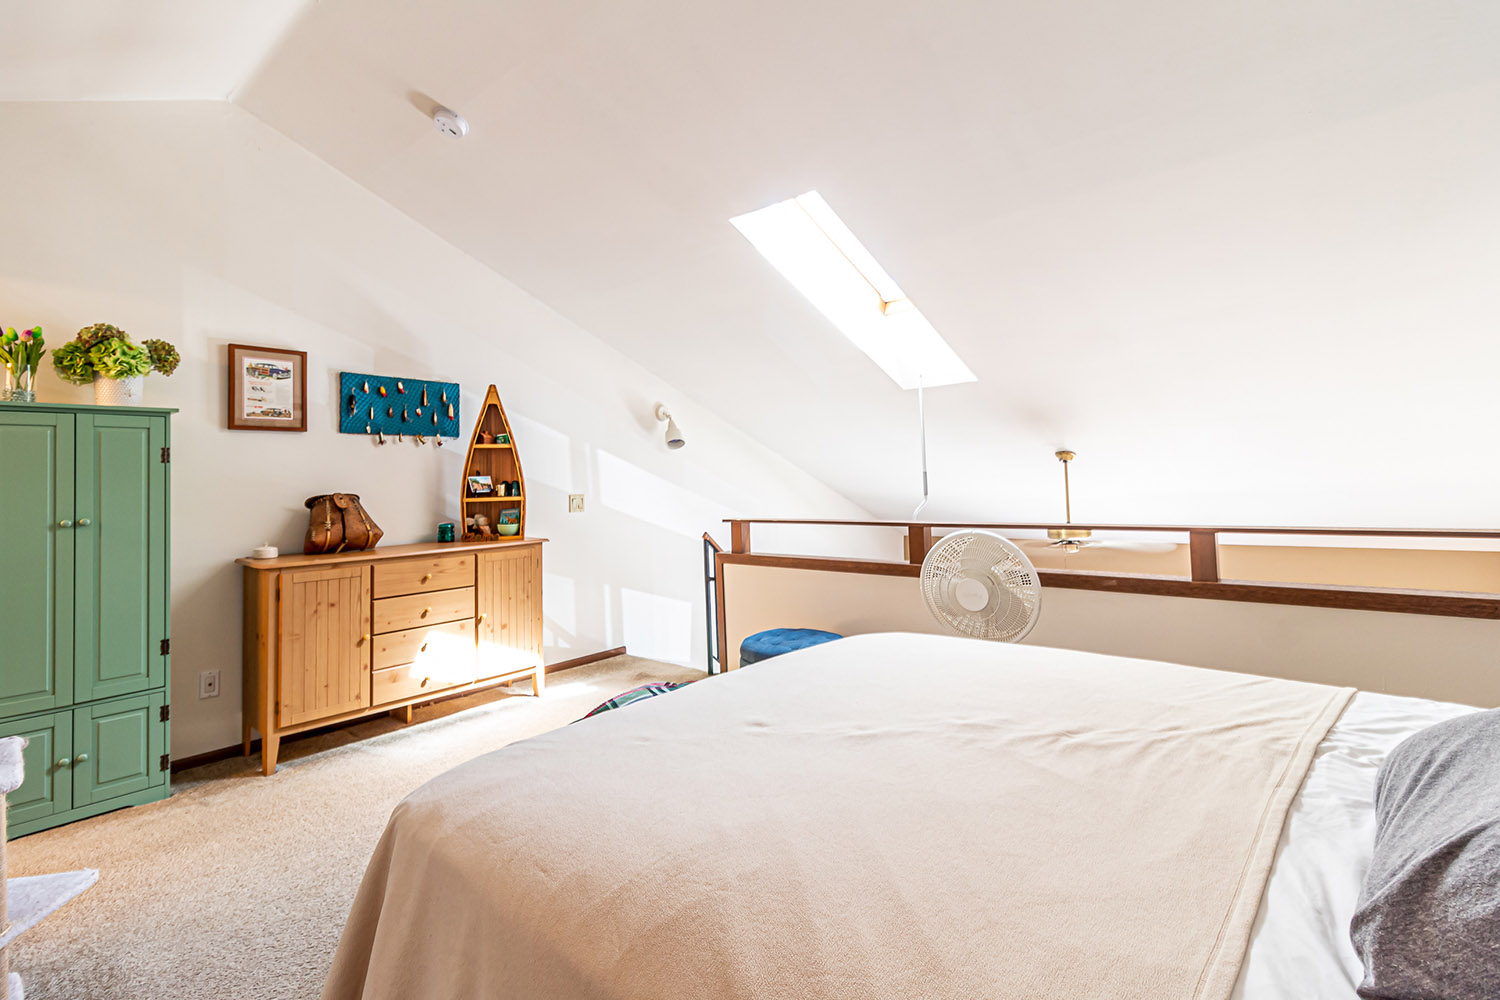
(508, 597)
(325, 643)
(120, 533)
(36, 562)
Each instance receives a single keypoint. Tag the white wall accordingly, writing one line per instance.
(1449, 659)
(196, 223)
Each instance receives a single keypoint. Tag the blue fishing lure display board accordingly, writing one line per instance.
(391, 406)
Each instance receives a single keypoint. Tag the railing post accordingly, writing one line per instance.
(918, 542)
(739, 536)
(1203, 553)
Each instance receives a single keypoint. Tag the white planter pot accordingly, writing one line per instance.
(119, 391)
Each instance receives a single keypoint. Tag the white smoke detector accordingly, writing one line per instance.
(449, 122)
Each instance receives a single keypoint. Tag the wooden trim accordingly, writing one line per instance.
(1448, 604)
(832, 564)
(739, 536)
(1203, 553)
(1227, 529)
(1419, 602)
(298, 561)
(918, 542)
(251, 745)
(587, 658)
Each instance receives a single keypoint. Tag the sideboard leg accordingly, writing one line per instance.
(539, 681)
(270, 743)
(402, 714)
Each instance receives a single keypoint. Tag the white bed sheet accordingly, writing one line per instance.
(1300, 948)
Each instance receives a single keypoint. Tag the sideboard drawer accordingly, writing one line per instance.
(450, 642)
(422, 576)
(411, 680)
(393, 614)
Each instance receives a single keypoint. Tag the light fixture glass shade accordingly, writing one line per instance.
(675, 439)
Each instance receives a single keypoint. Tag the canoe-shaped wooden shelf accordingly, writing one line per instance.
(500, 462)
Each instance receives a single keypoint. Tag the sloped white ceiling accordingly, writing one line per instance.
(134, 50)
(1240, 256)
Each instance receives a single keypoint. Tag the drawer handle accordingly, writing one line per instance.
(64, 762)
(426, 577)
(80, 759)
(425, 612)
(424, 682)
(423, 649)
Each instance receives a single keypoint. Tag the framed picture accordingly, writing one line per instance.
(267, 389)
(481, 486)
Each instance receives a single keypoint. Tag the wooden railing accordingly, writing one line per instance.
(1203, 556)
(711, 592)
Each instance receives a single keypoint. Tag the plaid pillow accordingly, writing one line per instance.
(636, 694)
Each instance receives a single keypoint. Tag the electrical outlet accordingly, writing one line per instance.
(575, 503)
(208, 684)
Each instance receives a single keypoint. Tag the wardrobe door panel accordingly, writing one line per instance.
(120, 535)
(36, 561)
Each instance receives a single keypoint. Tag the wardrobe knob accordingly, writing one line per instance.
(64, 762)
(423, 649)
(84, 522)
(81, 758)
(425, 612)
(365, 637)
(65, 524)
(426, 577)
(481, 619)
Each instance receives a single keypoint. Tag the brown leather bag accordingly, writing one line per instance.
(337, 523)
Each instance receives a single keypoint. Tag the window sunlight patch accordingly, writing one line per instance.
(816, 252)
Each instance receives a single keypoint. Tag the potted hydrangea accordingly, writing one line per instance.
(20, 353)
(106, 356)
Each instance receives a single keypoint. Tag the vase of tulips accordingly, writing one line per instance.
(20, 353)
(105, 356)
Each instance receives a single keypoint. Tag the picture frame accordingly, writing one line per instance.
(480, 486)
(267, 389)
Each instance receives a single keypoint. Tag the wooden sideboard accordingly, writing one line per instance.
(335, 637)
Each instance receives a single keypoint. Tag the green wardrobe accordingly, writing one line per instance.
(85, 546)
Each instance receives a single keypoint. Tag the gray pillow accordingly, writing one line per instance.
(1428, 922)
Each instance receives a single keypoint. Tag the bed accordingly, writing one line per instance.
(897, 815)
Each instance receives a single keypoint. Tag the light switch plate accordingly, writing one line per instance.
(575, 503)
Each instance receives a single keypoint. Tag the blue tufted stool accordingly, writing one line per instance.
(775, 641)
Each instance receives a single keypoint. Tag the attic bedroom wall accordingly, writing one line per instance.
(196, 223)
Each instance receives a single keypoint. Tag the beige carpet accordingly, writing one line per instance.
(238, 885)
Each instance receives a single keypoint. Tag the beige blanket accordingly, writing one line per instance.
(886, 816)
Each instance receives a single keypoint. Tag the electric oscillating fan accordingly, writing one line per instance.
(981, 585)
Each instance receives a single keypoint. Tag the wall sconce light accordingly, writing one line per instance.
(674, 433)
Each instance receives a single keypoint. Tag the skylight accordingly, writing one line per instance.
(816, 252)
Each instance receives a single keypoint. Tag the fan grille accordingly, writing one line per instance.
(981, 585)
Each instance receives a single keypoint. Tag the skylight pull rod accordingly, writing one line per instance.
(922, 419)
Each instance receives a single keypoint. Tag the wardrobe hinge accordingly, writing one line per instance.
(166, 761)
(166, 647)
(166, 712)
(166, 455)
